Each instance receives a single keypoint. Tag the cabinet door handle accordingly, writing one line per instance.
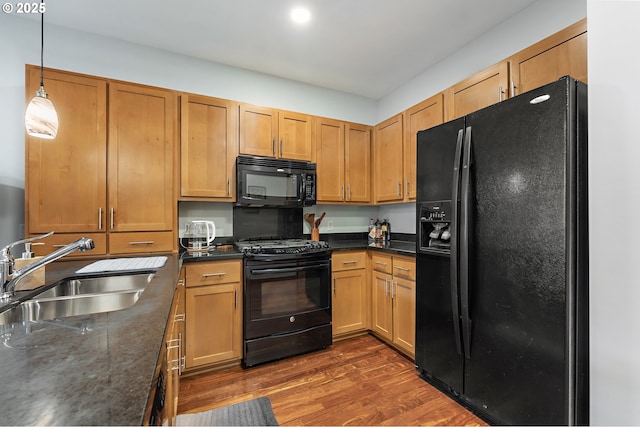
(99, 218)
(228, 186)
(401, 268)
(213, 274)
(334, 285)
(112, 218)
(281, 142)
(399, 189)
(235, 295)
(386, 287)
(500, 93)
(407, 188)
(143, 242)
(274, 146)
(342, 192)
(348, 191)
(393, 294)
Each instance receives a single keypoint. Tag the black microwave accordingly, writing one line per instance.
(263, 181)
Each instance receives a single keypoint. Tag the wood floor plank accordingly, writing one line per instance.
(359, 381)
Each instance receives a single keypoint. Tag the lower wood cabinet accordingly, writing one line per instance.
(213, 312)
(349, 293)
(393, 305)
(175, 352)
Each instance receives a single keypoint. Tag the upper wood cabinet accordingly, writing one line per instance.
(424, 115)
(66, 187)
(142, 145)
(269, 132)
(343, 157)
(485, 88)
(85, 182)
(208, 148)
(388, 160)
(563, 53)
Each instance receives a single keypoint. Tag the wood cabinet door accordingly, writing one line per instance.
(294, 132)
(404, 317)
(174, 351)
(424, 115)
(142, 146)
(563, 53)
(258, 130)
(388, 160)
(357, 159)
(381, 305)
(66, 187)
(349, 305)
(208, 146)
(213, 324)
(329, 136)
(485, 88)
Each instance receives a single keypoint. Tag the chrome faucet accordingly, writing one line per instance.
(9, 276)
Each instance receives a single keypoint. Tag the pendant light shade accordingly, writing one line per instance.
(41, 119)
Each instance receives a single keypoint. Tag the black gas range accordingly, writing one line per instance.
(287, 285)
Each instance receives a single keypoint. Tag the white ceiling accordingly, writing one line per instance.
(364, 47)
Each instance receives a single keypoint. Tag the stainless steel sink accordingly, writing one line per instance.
(97, 285)
(79, 296)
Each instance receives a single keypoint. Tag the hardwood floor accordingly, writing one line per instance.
(359, 381)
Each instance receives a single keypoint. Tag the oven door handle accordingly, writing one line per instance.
(281, 270)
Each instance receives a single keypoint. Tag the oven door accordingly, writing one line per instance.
(285, 296)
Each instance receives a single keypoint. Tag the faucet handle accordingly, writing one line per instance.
(6, 251)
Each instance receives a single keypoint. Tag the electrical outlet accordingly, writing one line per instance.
(330, 225)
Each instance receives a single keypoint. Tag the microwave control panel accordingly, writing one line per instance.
(310, 189)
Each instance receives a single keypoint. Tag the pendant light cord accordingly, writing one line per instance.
(41, 46)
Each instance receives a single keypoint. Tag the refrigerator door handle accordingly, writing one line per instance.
(454, 242)
(464, 239)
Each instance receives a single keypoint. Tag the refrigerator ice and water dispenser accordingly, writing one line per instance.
(435, 222)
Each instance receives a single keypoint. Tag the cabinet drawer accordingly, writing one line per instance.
(211, 273)
(404, 268)
(56, 241)
(154, 241)
(381, 263)
(348, 260)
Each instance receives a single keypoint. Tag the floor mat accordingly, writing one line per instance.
(255, 412)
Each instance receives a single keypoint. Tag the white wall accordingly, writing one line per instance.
(614, 206)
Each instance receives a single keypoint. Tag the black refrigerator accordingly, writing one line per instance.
(502, 258)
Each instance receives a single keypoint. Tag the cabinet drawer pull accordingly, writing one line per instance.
(143, 242)
(57, 246)
(401, 268)
(355, 261)
(213, 274)
(380, 263)
(179, 317)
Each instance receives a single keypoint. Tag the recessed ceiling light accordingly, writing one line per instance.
(300, 15)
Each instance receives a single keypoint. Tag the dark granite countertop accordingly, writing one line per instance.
(397, 247)
(86, 370)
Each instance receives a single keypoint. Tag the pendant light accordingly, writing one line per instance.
(41, 119)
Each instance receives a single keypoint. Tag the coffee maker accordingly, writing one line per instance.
(199, 235)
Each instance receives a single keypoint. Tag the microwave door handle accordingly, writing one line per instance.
(303, 187)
